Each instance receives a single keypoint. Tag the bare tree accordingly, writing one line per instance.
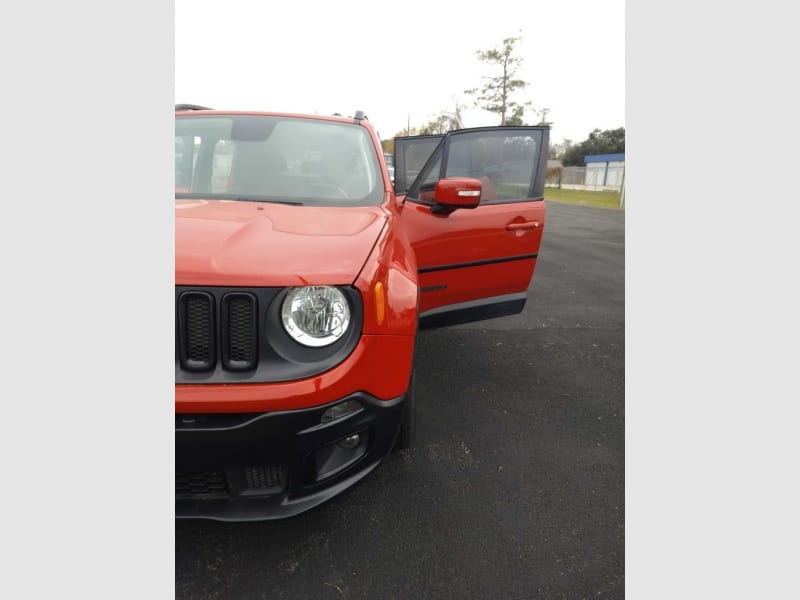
(495, 93)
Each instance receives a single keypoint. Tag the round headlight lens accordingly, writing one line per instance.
(315, 315)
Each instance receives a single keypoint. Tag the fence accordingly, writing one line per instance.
(576, 178)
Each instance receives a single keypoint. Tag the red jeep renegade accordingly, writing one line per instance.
(302, 275)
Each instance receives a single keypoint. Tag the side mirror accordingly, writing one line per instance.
(456, 192)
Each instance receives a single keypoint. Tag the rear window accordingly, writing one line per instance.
(270, 158)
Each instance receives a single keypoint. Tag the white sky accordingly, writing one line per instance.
(399, 59)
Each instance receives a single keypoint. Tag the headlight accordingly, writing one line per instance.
(316, 315)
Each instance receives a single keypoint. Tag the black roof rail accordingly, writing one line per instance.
(191, 107)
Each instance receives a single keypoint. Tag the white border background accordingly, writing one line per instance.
(86, 239)
(712, 301)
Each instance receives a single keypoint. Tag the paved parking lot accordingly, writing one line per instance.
(515, 488)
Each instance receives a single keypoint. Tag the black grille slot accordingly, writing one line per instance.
(197, 339)
(239, 331)
(265, 479)
(201, 484)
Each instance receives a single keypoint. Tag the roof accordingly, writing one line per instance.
(604, 157)
(185, 109)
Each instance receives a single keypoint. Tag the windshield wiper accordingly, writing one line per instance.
(251, 199)
(234, 196)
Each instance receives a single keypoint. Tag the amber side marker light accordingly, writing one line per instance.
(380, 303)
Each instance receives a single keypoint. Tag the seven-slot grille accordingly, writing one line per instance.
(201, 327)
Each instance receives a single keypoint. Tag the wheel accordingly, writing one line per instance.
(408, 425)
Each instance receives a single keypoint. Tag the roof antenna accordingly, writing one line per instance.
(360, 116)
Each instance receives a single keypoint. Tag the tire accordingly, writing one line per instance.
(408, 425)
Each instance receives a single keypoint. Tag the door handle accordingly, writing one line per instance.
(525, 225)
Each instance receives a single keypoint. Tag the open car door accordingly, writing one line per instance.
(474, 214)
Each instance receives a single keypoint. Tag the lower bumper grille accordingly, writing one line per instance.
(265, 479)
(256, 480)
(211, 483)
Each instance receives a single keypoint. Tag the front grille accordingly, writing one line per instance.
(208, 329)
(239, 332)
(197, 338)
(234, 334)
(201, 484)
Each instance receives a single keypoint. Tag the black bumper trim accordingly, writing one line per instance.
(295, 440)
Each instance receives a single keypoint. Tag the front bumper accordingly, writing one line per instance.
(260, 466)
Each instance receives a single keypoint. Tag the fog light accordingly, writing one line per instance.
(349, 442)
(340, 410)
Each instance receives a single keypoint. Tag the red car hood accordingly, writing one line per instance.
(260, 244)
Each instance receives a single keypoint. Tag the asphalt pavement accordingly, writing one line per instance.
(515, 487)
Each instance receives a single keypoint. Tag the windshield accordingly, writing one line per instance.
(275, 159)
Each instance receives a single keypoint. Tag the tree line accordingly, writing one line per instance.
(608, 141)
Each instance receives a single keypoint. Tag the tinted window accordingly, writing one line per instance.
(504, 160)
(412, 154)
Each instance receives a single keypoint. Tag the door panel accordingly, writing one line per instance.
(478, 263)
